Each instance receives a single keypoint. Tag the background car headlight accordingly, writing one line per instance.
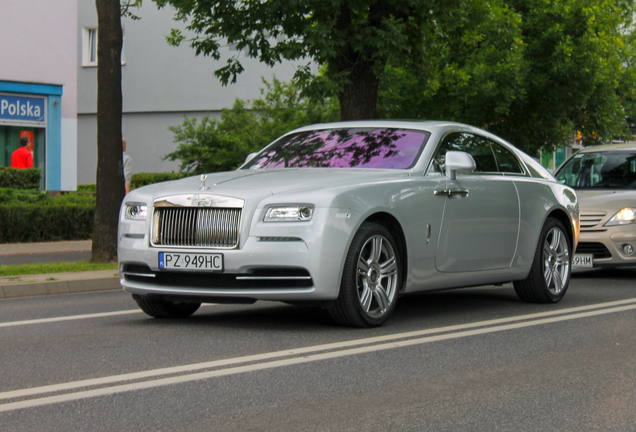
(624, 216)
(136, 211)
(289, 213)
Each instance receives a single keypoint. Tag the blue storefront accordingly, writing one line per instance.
(34, 110)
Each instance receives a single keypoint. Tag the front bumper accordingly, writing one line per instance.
(607, 245)
(282, 262)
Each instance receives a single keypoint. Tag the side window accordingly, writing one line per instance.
(477, 147)
(506, 161)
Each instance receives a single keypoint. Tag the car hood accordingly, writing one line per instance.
(606, 200)
(251, 183)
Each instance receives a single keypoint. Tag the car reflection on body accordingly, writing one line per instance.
(349, 217)
(605, 181)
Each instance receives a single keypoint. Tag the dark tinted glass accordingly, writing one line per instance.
(506, 161)
(344, 148)
(602, 170)
(477, 147)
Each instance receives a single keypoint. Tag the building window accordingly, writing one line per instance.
(89, 44)
(89, 47)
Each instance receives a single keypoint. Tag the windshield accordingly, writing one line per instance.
(602, 170)
(343, 148)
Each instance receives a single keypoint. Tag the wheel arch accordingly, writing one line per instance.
(395, 228)
(563, 217)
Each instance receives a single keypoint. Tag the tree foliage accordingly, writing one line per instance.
(125, 7)
(210, 145)
(354, 40)
(576, 75)
(533, 71)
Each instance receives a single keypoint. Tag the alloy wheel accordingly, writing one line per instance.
(556, 261)
(376, 276)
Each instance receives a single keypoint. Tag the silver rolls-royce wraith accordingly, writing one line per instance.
(350, 216)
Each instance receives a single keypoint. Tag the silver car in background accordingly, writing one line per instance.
(605, 181)
(349, 217)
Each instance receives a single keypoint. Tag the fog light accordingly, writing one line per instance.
(628, 249)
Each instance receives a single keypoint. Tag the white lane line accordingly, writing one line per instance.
(133, 311)
(75, 317)
(67, 318)
(306, 352)
(293, 361)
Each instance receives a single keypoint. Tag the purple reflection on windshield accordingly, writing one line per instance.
(344, 148)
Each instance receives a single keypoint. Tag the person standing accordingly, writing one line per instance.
(22, 157)
(127, 166)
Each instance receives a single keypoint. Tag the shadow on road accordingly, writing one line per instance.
(447, 307)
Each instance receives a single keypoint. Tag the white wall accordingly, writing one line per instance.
(148, 140)
(157, 77)
(160, 84)
(39, 44)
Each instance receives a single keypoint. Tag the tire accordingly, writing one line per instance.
(371, 279)
(550, 273)
(159, 308)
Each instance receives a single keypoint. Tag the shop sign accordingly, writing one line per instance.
(21, 108)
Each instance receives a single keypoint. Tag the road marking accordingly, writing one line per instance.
(296, 356)
(75, 317)
(67, 318)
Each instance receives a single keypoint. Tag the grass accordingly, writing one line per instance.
(59, 267)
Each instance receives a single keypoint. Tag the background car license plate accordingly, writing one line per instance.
(583, 260)
(191, 261)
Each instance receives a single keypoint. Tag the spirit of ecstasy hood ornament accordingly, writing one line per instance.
(203, 177)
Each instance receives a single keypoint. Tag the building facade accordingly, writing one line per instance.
(38, 86)
(160, 84)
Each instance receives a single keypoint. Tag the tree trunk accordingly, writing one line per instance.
(110, 180)
(359, 95)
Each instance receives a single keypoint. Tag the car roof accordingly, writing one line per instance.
(433, 126)
(425, 125)
(608, 147)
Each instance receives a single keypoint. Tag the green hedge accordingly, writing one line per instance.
(144, 179)
(19, 178)
(32, 196)
(32, 216)
(87, 188)
(141, 179)
(34, 223)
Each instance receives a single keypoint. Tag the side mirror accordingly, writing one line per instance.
(249, 157)
(458, 161)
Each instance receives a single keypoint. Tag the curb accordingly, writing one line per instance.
(58, 283)
(45, 247)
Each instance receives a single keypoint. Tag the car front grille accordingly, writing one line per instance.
(590, 220)
(597, 249)
(196, 227)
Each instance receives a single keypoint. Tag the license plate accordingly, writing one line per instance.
(583, 260)
(191, 261)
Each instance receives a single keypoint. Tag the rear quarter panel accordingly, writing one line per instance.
(538, 200)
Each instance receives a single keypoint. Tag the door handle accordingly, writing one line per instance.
(450, 193)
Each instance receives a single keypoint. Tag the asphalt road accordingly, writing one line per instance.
(465, 360)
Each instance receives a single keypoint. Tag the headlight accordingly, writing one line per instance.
(289, 213)
(136, 211)
(624, 216)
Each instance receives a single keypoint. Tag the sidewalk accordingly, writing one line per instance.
(55, 283)
(45, 247)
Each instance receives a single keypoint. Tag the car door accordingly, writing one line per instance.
(480, 224)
